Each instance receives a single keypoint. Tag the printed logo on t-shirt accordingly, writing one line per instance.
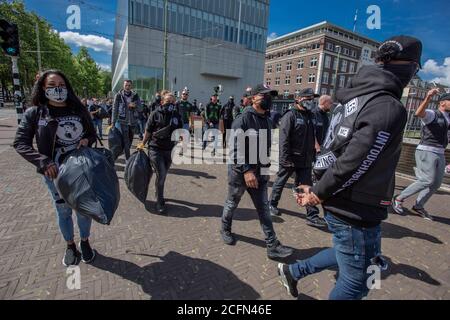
(70, 130)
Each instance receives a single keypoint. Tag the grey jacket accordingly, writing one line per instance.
(122, 113)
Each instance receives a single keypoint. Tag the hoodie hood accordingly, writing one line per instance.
(370, 79)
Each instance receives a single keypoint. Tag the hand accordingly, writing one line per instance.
(432, 93)
(51, 172)
(250, 180)
(140, 146)
(308, 198)
(83, 143)
(317, 146)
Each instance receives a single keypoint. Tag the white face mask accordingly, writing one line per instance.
(56, 94)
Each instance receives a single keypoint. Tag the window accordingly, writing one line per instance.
(286, 93)
(341, 81)
(279, 68)
(300, 64)
(330, 46)
(302, 50)
(289, 66)
(352, 67)
(299, 79)
(315, 46)
(344, 66)
(366, 54)
(268, 82)
(353, 53)
(346, 51)
(324, 91)
(312, 78)
(325, 78)
(335, 61)
(313, 62)
(269, 69)
(277, 81)
(333, 79)
(297, 92)
(288, 80)
(327, 62)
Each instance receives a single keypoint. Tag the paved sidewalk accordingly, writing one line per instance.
(181, 256)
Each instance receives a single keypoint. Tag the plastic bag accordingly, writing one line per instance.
(115, 143)
(138, 173)
(89, 185)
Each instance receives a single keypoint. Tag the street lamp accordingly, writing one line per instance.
(337, 69)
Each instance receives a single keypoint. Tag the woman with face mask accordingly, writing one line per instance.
(59, 123)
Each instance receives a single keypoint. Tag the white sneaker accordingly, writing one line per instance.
(397, 205)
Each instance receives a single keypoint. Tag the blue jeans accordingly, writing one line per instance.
(236, 189)
(141, 126)
(352, 252)
(64, 213)
(98, 123)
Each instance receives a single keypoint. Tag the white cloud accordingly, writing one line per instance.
(438, 73)
(104, 66)
(272, 36)
(97, 43)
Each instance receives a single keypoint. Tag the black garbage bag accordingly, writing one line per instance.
(89, 185)
(115, 142)
(138, 173)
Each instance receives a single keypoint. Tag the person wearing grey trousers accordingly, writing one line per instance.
(430, 154)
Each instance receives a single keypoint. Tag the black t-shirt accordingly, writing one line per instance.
(71, 129)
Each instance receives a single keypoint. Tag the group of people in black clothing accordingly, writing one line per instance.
(353, 155)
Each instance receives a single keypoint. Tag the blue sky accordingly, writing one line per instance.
(427, 20)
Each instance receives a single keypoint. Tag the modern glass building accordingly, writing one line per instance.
(211, 42)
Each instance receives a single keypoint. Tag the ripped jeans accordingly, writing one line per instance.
(64, 213)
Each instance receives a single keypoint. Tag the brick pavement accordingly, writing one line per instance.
(181, 256)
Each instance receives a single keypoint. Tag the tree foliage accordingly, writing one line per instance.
(80, 69)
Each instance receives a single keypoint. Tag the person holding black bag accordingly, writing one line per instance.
(60, 124)
(160, 126)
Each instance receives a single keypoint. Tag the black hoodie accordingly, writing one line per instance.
(359, 183)
(253, 128)
(161, 124)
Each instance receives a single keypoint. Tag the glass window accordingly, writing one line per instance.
(311, 78)
(344, 66)
(299, 79)
(313, 62)
(341, 81)
(277, 81)
(328, 62)
(300, 64)
(325, 77)
(288, 80)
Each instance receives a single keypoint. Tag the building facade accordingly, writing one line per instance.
(210, 42)
(414, 94)
(310, 58)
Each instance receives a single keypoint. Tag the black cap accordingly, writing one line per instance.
(400, 48)
(444, 97)
(308, 92)
(263, 89)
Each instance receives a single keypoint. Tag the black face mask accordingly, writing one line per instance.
(404, 72)
(308, 104)
(158, 99)
(266, 103)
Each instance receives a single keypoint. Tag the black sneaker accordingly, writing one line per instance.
(161, 208)
(316, 221)
(87, 254)
(277, 250)
(274, 211)
(228, 237)
(288, 281)
(423, 213)
(72, 256)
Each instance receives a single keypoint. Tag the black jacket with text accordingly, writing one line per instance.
(357, 163)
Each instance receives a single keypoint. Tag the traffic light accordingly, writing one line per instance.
(9, 38)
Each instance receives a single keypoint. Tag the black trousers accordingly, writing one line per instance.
(161, 161)
(302, 176)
